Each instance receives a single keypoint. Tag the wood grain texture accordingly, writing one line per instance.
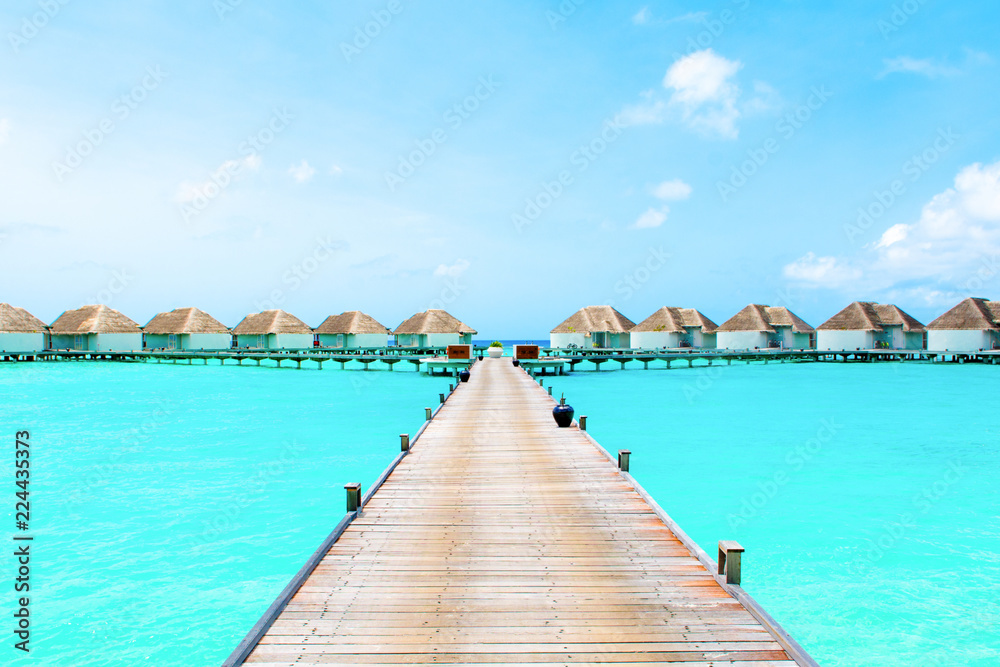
(502, 539)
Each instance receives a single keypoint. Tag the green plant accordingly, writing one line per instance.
(496, 343)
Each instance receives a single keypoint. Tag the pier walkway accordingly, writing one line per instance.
(502, 539)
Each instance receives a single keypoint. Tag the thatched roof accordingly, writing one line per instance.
(972, 313)
(18, 320)
(94, 319)
(271, 322)
(185, 321)
(433, 321)
(351, 322)
(595, 319)
(756, 317)
(868, 316)
(676, 320)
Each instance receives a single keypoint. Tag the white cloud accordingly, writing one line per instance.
(821, 271)
(924, 67)
(227, 172)
(336, 170)
(652, 218)
(4, 130)
(301, 172)
(703, 90)
(452, 271)
(641, 17)
(674, 190)
(951, 251)
(645, 113)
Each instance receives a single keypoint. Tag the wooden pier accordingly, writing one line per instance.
(497, 538)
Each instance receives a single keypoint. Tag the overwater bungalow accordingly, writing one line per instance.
(187, 329)
(352, 330)
(760, 327)
(433, 328)
(865, 325)
(95, 328)
(20, 331)
(273, 330)
(974, 324)
(673, 328)
(593, 326)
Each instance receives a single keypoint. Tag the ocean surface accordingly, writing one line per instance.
(170, 504)
(866, 495)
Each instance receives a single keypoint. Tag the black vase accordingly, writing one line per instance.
(464, 375)
(516, 362)
(563, 414)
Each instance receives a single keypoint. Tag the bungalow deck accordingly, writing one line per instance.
(497, 538)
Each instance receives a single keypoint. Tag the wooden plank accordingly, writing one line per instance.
(502, 539)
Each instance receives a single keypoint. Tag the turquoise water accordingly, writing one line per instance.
(171, 504)
(866, 495)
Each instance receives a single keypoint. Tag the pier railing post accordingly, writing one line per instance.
(623, 455)
(353, 496)
(583, 422)
(442, 397)
(427, 414)
(404, 442)
(730, 554)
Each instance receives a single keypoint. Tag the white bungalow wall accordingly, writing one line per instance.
(22, 342)
(961, 340)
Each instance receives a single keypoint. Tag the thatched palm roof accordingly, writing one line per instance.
(351, 322)
(595, 319)
(676, 320)
(756, 317)
(433, 321)
(868, 316)
(972, 313)
(18, 320)
(185, 321)
(271, 322)
(94, 319)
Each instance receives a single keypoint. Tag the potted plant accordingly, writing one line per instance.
(496, 349)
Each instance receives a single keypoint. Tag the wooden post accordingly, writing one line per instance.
(583, 422)
(427, 414)
(730, 553)
(353, 496)
(550, 390)
(442, 397)
(451, 388)
(623, 455)
(404, 442)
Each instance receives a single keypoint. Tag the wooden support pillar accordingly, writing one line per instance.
(320, 363)
(623, 456)
(353, 496)
(404, 442)
(583, 422)
(730, 554)
(427, 414)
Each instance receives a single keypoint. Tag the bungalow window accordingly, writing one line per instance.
(260, 341)
(77, 342)
(172, 342)
(340, 340)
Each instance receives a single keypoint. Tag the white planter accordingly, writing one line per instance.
(495, 352)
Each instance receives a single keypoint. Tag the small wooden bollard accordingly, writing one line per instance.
(550, 390)
(442, 397)
(623, 455)
(583, 422)
(404, 442)
(730, 553)
(427, 414)
(451, 388)
(353, 496)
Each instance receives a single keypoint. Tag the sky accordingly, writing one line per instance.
(508, 161)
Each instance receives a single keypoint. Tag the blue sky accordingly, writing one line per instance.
(508, 161)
